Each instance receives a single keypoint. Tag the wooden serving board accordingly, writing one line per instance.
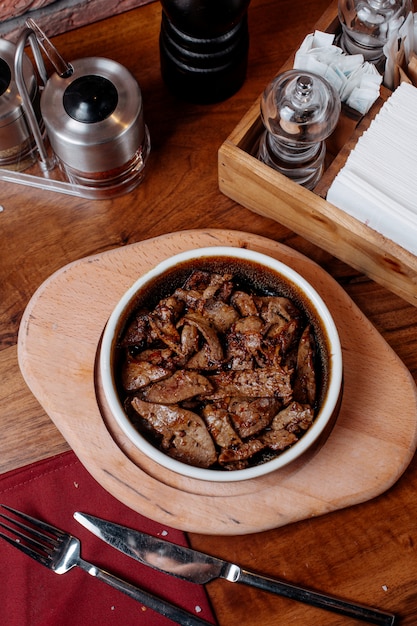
(370, 446)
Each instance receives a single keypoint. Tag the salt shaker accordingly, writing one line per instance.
(299, 111)
(204, 48)
(367, 25)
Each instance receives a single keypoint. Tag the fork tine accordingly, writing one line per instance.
(34, 532)
(27, 542)
(21, 535)
(41, 558)
(36, 522)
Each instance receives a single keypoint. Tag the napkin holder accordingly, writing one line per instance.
(267, 192)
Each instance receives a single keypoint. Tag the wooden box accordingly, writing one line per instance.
(267, 192)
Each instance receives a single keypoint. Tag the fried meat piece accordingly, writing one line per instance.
(278, 440)
(163, 322)
(190, 297)
(259, 383)
(202, 360)
(202, 286)
(287, 426)
(184, 435)
(274, 308)
(244, 303)
(305, 375)
(218, 423)
(137, 374)
(208, 295)
(220, 284)
(295, 417)
(198, 280)
(138, 332)
(182, 385)
(220, 314)
(234, 453)
(207, 331)
(244, 343)
(284, 335)
(251, 327)
(243, 452)
(189, 340)
(145, 367)
(251, 415)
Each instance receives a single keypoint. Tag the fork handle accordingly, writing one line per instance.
(173, 612)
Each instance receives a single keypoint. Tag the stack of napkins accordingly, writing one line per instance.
(378, 184)
(356, 81)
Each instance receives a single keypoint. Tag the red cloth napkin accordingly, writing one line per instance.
(32, 595)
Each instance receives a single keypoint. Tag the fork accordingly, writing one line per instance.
(59, 551)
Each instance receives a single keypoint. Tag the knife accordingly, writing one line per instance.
(201, 568)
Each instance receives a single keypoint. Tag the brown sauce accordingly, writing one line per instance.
(250, 277)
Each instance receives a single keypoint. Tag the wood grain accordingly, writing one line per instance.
(364, 455)
(364, 552)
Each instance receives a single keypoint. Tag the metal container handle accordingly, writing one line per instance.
(46, 162)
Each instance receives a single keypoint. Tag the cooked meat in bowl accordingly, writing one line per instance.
(221, 363)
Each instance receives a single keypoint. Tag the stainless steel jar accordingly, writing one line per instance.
(17, 145)
(92, 112)
(94, 121)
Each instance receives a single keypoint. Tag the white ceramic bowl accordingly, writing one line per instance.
(298, 289)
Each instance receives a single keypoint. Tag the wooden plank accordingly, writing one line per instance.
(365, 454)
(27, 421)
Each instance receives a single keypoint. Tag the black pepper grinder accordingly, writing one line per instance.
(204, 48)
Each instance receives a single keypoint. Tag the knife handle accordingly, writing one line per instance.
(318, 599)
(163, 607)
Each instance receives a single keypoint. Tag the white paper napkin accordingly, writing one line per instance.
(378, 184)
(356, 81)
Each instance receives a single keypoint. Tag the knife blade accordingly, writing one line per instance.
(197, 567)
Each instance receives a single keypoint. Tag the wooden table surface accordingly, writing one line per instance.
(365, 553)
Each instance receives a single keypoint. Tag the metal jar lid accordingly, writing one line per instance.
(13, 128)
(94, 117)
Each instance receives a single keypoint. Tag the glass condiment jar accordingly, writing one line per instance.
(299, 111)
(367, 25)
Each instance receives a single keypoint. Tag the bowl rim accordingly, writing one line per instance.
(310, 437)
